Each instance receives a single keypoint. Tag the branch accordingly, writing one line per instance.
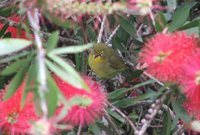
(113, 33)
(79, 130)
(33, 16)
(101, 29)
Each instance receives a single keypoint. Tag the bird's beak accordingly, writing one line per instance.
(97, 55)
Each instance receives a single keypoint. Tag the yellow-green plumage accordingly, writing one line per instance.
(105, 61)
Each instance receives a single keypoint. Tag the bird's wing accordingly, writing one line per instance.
(116, 62)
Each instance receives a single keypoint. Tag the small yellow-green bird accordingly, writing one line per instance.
(105, 61)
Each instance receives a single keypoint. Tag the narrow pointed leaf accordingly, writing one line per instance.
(3, 30)
(180, 111)
(8, 46)
(122, 91)
(71, 49)
(14, 57)
(52, 41)
(74, 77)
(179, 17)
(31, 77)
(167, 124)
(51, 95)
(16, 82)
(127, 26)
(14, 67)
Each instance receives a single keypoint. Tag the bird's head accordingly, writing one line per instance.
(99, 50)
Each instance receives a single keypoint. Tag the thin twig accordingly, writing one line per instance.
(113, 33)
(101, 29)
(152, 18)
(153, 78)
(111, 123)
(123, 115)
(33, 16)
(79, 130)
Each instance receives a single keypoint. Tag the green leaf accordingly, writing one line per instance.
(132, 101)
(7, 10)
(61, 73)
(3, 30)
(79, 59)
(51, 96)
(104, 128)
(16, 81)
(179, 17)
(3, 81)
(131, 74)
(91, 33)
(8, 46)
(71, 49)
(52, 41)
(167, 123)
(190, 24)
(194, 31)
(180, 111)
(161, 22)
(7, 35)
(14, 67)
(95, 129)
(116, 116)
(66, 72)
(14, 57)
(128, 26)
(31, 77)
(83, 101)
(122, 91)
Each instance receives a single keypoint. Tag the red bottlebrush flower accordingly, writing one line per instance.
(15, 33)
(190, 79)
(165, 55)
(13, 120)
(83, 115)
(192, 108)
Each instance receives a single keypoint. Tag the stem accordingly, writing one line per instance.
(101, 29)
(113, 33)
(79, 130)
(33, 16)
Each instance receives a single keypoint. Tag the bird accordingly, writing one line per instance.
(105, 61)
